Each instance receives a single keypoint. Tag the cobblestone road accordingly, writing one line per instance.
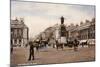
(52, 55)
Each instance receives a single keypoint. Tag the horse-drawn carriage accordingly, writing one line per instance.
(60, 42)
(88, 42)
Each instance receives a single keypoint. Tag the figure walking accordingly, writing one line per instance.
(11, 47)
(76, 45)
(31, 51)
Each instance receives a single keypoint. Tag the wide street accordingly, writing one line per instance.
(52, 55)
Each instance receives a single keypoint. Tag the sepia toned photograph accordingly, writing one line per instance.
(51, 33)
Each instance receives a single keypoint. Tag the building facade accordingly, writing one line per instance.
(19, 33)
(92, 29)
(84, 31)
(72, 32)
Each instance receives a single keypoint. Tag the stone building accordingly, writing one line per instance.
(84, 31)
(19, 33)
(75, 32)
(92, 29)
(87, 30)
(72, 32)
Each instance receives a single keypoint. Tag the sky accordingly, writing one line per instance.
(38, 16)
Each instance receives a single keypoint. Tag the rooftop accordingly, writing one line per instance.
(18, 24)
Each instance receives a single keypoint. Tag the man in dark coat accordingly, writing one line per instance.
(76, 42)
(31, 50)
(11, 47)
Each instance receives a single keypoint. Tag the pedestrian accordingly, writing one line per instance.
(31, 51)
(76, 45)
(11, 47)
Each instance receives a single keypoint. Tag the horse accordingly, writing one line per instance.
(43, 43)
(59, 45)
(36, 44)
(84, 43)
(70, 43)
(76, 43)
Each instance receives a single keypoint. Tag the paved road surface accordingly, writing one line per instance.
(52, 55)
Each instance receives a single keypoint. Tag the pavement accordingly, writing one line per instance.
(52, 55)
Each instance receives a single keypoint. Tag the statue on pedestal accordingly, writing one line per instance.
(62, 27)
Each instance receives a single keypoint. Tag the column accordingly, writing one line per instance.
(87, 33)
(17, 42)
(22, 43)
